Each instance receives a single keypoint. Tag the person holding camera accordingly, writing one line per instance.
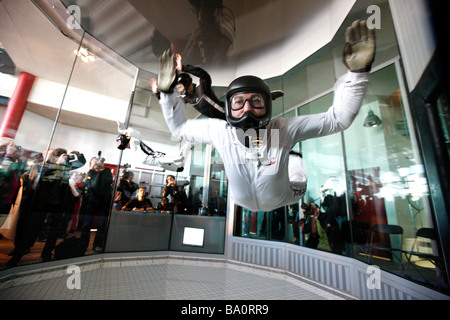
(97, 193)
(43, 205)
(125, 190)
(61, 196)
(11, 168)
(178, 196)
(314, 225)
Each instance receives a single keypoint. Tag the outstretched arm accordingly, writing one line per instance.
(349, 91)
(198, 130)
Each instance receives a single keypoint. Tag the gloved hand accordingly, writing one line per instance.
(167, 72)
(359, 49)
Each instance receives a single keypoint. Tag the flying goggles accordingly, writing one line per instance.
(238, 101)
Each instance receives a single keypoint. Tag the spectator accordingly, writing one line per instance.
(97, 194)
(125, 190)
(177, 194)
(139, 203)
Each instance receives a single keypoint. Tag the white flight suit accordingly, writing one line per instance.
(258, 176)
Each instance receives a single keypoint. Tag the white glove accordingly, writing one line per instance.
(359, 49)
(167, 72)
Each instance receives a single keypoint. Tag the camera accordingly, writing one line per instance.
(76, 160)
(306, 207)
(72, 157)
(100, 159)
(309, 210)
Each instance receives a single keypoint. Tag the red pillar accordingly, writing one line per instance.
(16, 106)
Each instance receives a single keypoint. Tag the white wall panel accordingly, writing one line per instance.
(413, 25)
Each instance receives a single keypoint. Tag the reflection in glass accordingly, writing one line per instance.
(208, 182)
(386, 178)
(63, 176)
(260, 225)
(360, 180)
(444, 117)
(320, 228)
(365, 177)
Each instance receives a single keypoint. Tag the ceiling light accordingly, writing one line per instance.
(85, 55)
(372, 120)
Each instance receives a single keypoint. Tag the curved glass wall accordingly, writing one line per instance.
(72, 188)
(367, 180)
(60, 175)
(364, 177)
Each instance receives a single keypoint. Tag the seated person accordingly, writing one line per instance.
(164, 205)
(138, 203)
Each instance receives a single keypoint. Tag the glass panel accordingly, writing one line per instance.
(324, 164)
(386, 41)
(63, 207)
(199, 196)
(370, 175)
(276, 224)
(260, 225)
(218, 187)
(444, 117)
(310, 78)
(22, 219)
(289, 114)
(359, 179)
(99, 90)
(250, 224)
(208, 186)
(30, 230)
(387, 179)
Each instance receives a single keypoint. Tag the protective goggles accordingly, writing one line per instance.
(238, 101)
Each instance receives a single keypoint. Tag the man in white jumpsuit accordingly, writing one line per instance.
(261, 174)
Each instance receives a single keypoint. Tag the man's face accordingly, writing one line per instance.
(241, 103)
(96, 164)
(171, 181)
(141, 193)
(185, 91)
(180, 88)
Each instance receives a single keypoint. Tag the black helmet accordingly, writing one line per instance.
(249, 120)
(185, 80)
